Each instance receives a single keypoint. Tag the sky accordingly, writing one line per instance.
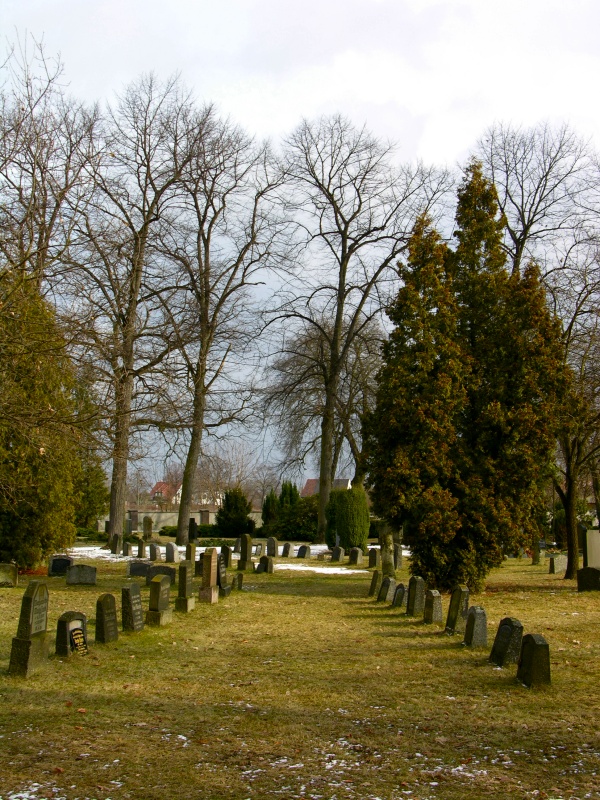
(430, 75)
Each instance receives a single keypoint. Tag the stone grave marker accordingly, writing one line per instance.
(227, 556)
(209, 591)
(337, 554)
(259, 549)
(222, 578)
(147, 528)
(161, 569)
(198, 566)
(9, 575)
(172, 553)
(507, 644)
(534, 661)
(303, 551)
(155, 552)
(588, 579)
(142, 549)
(356, 557)
(268, 564)
(116, 544)
(287, 550)
(59, 564)
(415, 604)
(71, 634)
(456, 620)
(374, 558)
(400, 596)
(557, 564)
(375, 583)
(159, 613)
(138, 569)
(238, 581)
(272, 547)
(237, 547)
(591, 549)
(132, 613)
(185, 600)
(81, 575)
(387, 590)
(30, 646)
(192, 534)
(245, 562)
(397, 556)
(106, 619)
(476, 628)
(190, 551)
(128, 549)
(432, 613)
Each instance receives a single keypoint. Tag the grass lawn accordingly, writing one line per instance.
(300, 686)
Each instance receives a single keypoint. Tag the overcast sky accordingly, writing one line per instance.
(429, 74)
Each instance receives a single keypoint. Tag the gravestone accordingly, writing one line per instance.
(71, 634)
(557, 564)
(507, 644)
(588, 579)
(238, 581)
(356, 557)
(591, 549)
(116, 544)
(245, 562)
(106, 619)
(9, 575)
(476, 628)
(192, 533)
(375, 584)
(132, 613)
(237, 547)
(134, 517)
(138, 569)
(185, 600)
(81, 575)
(227, 556)
(534, 661)
(456, 620)
(374, 558)
(259, 549)
(198, 566)
(224, 587)
(337, 554)
(30, 646)
(155, 552)
(159, 613)
(415, 605)
(400, 596)
(397, 556)
(128, 527)
(272, 547)
(127, 549)
(387, 590)
(106, 526)
(432, 614)
(58, 565)
(142, 549)
(303, 551)
(287, 550)
(161, 569)
(190, 551)
(172, 553)
(147, 528)
(209, 591)
(267, 564)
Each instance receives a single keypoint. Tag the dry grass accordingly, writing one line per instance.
(301, 687)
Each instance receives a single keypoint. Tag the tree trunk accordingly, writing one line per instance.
(118, 485)
(325, 479)
(568, 498)
(386, 543)
(596, 487)
(191, 464)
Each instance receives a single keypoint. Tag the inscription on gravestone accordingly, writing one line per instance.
(106, 619)
(30, 646)
(159, 612)
(132, 614)
(71, 634)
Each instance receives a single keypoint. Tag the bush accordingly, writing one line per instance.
(168, 530)
(232, 517)
(352, 518)
(297, 522)
(331, 514)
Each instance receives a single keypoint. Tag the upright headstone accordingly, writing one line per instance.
(387, 590)
(476, 628)
(155, 552)
(287, 550)
(456, 620)
(557, 564)
(30, 646)
(127, 549)
(71, 634)
(172, 553)
(190, 551)
(432, 613)
(138, 569)
(132, 613)
(159, 613)
(534, 661)
(268, 564)
(142, 549)
(237, 547)
(591, 549)
(9, 575)
(58, 565)
(415, 605)
(259, 549)
(374, 558)
(272, 547)
(400, 596)
(375, 583)
(209, 591)
(238, 581)
(356, 557)
(161, 569)
(106, 619)
(303, 551)
(245, 562)
(81, 575)
(397, 556)
(185, 600)
(588, 579)
(227, 556)
(116, 544)
(192, 533)
(224, 586)
(198, 566)
(147, 527)
(507, 644)
(337, 554)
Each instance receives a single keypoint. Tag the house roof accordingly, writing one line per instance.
(311, 486)
(165, 489)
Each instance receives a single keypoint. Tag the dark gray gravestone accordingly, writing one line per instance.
(397, 556)
(161, 569)
(374, 558)
(476, 628)
(415, 605)
(71, 634)
(237, 547)
(198, 566)
(588, 579)
(190, 551)
(106, 619)
(245, 562)
(9, 575)
(138, 569)
(457, 613)
(259, 568)
(259, 549)
(272, 547)
(116, 544)
(303, 551)
(185, 600)
(172, 553)
(30, 646)
(238, 581)
(155, 552)
(227, 556)
(134, 517)
(375, 584)
(209, 592)
(127, 549)
(387, 590)
(192, 533)
(356, 557)
(58, 565)
(221, 572)
(557, 564)
(147, 527)
(286, 550)
(142, 548)
(534, 661)
(507, 644)
(432, 613)
(337, 554)
(400, 596)
(159, 613)
(267, 564)
(132, 613)
(81, 575)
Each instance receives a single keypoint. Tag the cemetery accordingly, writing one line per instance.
(274, 671)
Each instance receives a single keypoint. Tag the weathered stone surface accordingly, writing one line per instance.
(155, 552)
(375, 583)
(209, 592)
(58, 565)
(190, 551)
(267, 564)
(400, 596)
(221, 572)
(138, 569)
(337, 554)
(557, 564)
(185, 601)
(81, 575)
(9, 575)
(507, 644)
(374, 558)
(142, 549)
(387, 590)
(106, 619)
(415, 605)
(238, 581)
(227, 556)
(272, 547)
(147, 527)
(160, 570)
(30, 646)
(588, 579)
(534, 661)
(456, 620)
(303, 551)
(172, 553)
(287, 550)
(159, 618)
(132, 613)
(71, 634)
(245, 562)
(237, 547)
(356, 557)
(397, 556)
(160, 593)
(432, 614)
(476, 628)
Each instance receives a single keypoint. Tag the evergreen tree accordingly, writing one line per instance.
(352, 518)
(289, 494)
(270, 508)
(232, 518)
